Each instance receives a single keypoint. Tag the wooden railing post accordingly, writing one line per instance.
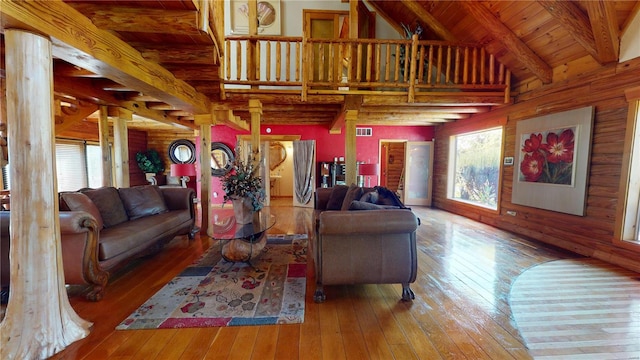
(412, 68)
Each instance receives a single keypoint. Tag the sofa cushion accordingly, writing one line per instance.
(77, 201)
(363, 205)
(140, 233)
(141, 201)
(337, 197)
(109, 204)
(353, 193)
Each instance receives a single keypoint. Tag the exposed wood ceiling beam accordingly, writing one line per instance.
(83, 89)
(504, 35)
(82, 111)
(178, 53)
(121, 18)
(77, 40)
(429, 20)
(427, 109)
(576, 22)
(604, 25)
(351, 102)
(396, 118)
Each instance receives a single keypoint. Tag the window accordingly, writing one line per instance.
(78, 165)
(474, 167)
(628, 225)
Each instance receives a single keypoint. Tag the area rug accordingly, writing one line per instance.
(214, 292)
(578, 309)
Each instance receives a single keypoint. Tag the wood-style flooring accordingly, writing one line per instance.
(461, 311)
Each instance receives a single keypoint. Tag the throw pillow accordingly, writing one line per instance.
(77, 201)
(353, 193)
(370, 197)
(109, 204)
(388, 197)
(141, 201)
(337, 197)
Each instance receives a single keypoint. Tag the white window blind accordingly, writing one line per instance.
(70, 166)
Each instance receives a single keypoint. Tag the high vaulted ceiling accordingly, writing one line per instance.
(541, 42)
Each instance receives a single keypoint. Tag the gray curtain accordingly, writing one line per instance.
(303, 167)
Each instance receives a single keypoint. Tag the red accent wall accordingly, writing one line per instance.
(328, 146)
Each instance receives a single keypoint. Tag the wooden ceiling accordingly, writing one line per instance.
(541, 42)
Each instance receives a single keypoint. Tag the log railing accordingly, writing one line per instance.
(342, 66)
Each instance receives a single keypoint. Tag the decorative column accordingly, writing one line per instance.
(103, 133)
(39, 320)
(255, 109)
(121, 147)
(205, 121)
(350, 147)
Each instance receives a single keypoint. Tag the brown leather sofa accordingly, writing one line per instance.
(363, 239)
(103, 229)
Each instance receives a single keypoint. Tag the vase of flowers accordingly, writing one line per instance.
(244, 188)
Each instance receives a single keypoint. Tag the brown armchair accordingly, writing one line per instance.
(364, 247)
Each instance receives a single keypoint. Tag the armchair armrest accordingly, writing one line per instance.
(79, 238)
(322, 198)
(367, 222)
(178, 198)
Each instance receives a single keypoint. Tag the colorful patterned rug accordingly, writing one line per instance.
(215, 292)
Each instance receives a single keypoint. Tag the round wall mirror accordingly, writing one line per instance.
(182, 151)
(221, 159)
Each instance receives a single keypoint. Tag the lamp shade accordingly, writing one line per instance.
(183, 170)
(368, 169)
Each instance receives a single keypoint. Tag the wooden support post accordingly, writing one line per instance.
(350, 146)
(121, 147)
(255, 109)
(103, 134)
(39, 319)
(205, 121)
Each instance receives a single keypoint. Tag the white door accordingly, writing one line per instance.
(418, 173)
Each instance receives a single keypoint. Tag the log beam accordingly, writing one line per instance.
(604, 25)
(39, 320)
(121, 146)
(510, 41)
(78, 41)
(429, 20)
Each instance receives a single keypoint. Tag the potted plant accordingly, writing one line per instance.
(150, 162)
(244, 187)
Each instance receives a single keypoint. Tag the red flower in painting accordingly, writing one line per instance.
(559, 148)
(532, 166)
(532, 144)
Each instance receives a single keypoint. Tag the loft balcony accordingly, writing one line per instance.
(416, 70)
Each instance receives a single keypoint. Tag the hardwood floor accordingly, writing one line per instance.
(461, 311)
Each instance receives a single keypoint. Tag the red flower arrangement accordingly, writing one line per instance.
(551, 161)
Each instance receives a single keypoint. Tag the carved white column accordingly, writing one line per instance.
(39, 320)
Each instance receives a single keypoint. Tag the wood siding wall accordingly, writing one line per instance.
(589, 235)
(161, 139)
(137, 142)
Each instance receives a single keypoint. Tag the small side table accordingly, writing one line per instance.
(244, 242)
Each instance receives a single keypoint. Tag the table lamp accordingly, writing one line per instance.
(183, 171)
(368, 170)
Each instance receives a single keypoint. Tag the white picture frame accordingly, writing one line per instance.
(269, 17)
(542, 178)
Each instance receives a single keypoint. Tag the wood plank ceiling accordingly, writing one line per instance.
(541, 42)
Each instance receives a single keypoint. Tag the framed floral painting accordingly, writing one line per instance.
(552, 160)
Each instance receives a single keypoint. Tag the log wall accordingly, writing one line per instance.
(589, 235)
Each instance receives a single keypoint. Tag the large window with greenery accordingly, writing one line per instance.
(474, 167)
